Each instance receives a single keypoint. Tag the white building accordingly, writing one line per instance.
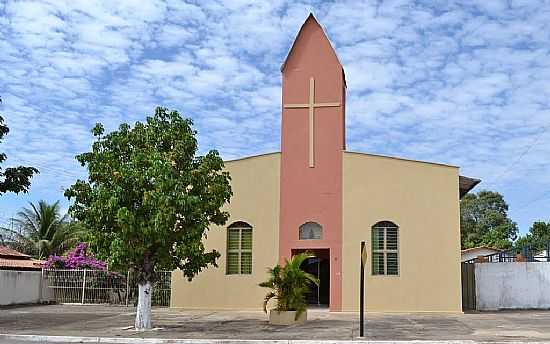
(474, 252)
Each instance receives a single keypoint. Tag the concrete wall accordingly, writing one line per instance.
(512, 286)
(422, 199)
(255, 183)
(20, 287)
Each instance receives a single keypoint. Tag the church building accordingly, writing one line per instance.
(317, 196)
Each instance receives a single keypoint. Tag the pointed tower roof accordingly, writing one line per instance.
(311, 20)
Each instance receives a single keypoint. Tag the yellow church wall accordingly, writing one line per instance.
(422, 199)
(255, 184)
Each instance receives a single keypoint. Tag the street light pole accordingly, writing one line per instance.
(362, 292)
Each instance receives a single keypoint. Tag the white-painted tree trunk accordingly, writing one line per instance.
(143, 313)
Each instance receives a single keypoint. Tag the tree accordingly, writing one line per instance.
(521, 242)
(537, 237)
(149, 200)
(13, 179)
(484, 221)
(41, 230)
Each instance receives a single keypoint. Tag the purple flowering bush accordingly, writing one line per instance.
(79, 258)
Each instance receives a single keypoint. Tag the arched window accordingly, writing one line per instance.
(239, 248)
(385, 248)
(311, 231)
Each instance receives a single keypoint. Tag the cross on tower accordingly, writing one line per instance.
(311, 106)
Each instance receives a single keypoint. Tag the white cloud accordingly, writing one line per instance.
(459, 82)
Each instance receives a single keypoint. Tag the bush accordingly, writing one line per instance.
(289, 284)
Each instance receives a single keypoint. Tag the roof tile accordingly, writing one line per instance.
(9, 252)
(20, 264)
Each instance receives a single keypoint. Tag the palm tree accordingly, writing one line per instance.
(289, 284)
(42, 231)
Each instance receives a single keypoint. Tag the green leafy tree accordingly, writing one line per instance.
(41, 231)
(289, 285)
(149, 200)
(13, 179)
(537, 237)
(521, 242)
(484, 221)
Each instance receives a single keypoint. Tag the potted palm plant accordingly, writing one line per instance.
(288, 284)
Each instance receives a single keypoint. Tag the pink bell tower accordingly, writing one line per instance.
(312, 145)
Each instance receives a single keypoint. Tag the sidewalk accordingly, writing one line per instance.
(113, 322)
(24, 339)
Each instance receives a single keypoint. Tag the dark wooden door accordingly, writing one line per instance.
(320, 268)
(468, 286)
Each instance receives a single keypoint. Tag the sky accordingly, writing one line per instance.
(465, 83)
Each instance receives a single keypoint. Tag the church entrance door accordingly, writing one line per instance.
(318, 266)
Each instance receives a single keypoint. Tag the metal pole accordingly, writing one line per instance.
(83, 286)
(548, 251)
(127, 286)
(362, 295)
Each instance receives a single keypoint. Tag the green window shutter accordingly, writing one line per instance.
(385, 249)
(391, 238)
(246, 251)
(246, 239)
(392, 263)
(378, 263)
(378, 238)
(246, 263)
(232, 263)
(239, 249)
(233, 239)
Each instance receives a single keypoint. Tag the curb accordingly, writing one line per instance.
(112, 340)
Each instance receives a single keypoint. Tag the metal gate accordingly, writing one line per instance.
(468, 286)
(104, 287)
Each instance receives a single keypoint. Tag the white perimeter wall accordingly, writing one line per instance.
(512, 286)
(18, 287)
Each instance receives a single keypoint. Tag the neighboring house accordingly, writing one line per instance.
(541, 256)
(316, 196)
(21, 280)
(474, 252)
(13, 260)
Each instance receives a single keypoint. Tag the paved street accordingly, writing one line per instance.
(106, 321)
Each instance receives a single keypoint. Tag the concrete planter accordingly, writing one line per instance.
(286, 317)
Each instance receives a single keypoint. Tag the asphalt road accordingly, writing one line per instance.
(10, 341)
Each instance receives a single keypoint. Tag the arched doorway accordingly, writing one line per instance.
(319, 266)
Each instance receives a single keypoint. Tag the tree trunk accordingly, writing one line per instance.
(143, 312)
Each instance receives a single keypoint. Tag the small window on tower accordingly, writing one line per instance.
(311, 231)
